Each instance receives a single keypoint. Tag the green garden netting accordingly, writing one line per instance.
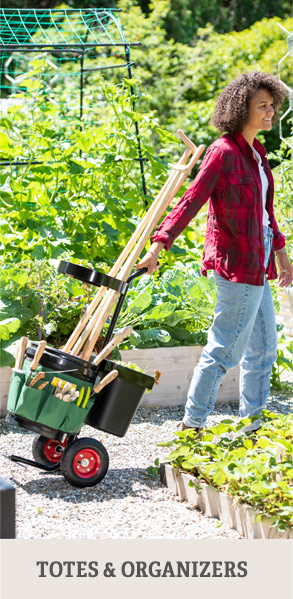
(77, 27)
(53, 69)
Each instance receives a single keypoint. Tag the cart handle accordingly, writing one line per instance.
(137, 273)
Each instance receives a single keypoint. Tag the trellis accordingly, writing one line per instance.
(52, 51)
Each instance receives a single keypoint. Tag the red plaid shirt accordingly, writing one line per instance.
(229, 178)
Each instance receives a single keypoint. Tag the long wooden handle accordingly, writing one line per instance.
(102, 304)
(113, 343)
(20, 352)
(39, 352)
(73, 341)
(109, 299)
(187, 141)
(106, 380)
(102, 296)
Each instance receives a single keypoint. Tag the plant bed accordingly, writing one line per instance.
(215, 504)
(245, 482)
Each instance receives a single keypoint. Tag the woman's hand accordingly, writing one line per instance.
(285, 268)
(150, 259)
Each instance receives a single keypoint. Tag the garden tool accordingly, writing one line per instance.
(39, 352)
(38, 377)
(20, 353)
(43, 385)
(83, 405)
(113, 272)
(105, 381)
(80, 397)
(101, 312)
(113, 343)
(109, 299)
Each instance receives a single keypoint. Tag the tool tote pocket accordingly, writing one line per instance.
(75, 417)
(16, 384)
(29, 402)
(41, 406)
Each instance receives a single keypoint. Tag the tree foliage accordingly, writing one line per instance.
(183, 17)
(85, 199)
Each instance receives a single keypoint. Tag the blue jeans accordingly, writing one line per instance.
(243, 331)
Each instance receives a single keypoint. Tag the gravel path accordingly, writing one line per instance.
(127, 503)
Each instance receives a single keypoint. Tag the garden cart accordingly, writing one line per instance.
(55, 392)
(60, 393)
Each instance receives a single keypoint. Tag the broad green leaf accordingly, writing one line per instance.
(6, 359)
(160, 312)
(75, 168)
(154, 336)
(8, 326)
(140, 303)
(179, 316)
(165, 136)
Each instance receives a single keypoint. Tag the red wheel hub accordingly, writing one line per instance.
(86, 463)
(53, 450)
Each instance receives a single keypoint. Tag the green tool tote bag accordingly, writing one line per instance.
(41, 406)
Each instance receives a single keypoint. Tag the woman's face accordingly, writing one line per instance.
(261, 111)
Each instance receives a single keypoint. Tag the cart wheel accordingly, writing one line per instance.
(47, 451)
(85, 462)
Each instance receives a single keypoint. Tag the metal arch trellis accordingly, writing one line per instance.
(59, 36)
(289, 111)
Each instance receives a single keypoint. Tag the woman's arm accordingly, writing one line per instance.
(186, 208)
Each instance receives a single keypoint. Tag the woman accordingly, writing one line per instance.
(242, 238)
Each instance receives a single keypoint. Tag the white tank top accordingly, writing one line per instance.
(264, 187)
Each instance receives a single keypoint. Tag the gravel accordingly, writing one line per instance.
(126, 504)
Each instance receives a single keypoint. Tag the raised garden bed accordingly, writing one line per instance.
(245, 479)
(214, 503)
(176, 365)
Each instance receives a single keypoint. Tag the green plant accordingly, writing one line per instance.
(175, 308)
(43, 302)
(284, 191)
(284, 362)
(100, 190)
(8, 327)
(258, 472)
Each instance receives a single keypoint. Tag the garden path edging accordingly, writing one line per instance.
(216, 504)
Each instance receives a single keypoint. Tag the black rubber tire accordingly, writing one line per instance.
(84, 449)
(39, 450)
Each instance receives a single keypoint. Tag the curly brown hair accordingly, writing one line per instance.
(231, 112)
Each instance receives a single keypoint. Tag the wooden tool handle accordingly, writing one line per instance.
(107, 303)
(39, 352)
(36, 378)
(81, 332)
(20, 352)
(187, 141)
(113, 343)
(105, 381)
(43, 385)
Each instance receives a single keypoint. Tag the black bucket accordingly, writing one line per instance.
(117, 403)
(57, 360)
